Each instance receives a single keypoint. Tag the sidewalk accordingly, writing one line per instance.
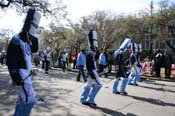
(144, 76)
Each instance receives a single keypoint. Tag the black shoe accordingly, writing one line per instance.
(116, 92)
(92, 104)
(46, 72)
(130, 84)
(133, 84)
(124, 93)
(86, 103)
(40, 101)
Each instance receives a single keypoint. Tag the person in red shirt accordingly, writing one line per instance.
(74, 58)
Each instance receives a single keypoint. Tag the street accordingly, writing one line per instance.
(62, 92)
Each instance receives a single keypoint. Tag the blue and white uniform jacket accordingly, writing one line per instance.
(19, 58)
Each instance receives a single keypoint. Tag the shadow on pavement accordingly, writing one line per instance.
(112, 112)
(152, 101)
(157, 89)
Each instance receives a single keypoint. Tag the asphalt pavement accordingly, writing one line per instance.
(62, 92)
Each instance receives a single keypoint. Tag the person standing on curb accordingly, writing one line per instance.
(103, 64)
(168, 60)
(64, 60)
(47, 58)
(81, 63)
(158, 62)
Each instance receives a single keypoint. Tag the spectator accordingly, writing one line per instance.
(110, 62)
(47, 58)
(103, 63)
(3, 56)
(81, 62)
(64, 60)
(36, 59)
(74, 58)
(158, 62)
(42, 59)
(167, 63)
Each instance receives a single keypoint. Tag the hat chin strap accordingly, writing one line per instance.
(28, 38)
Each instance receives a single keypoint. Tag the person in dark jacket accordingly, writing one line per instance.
(158, 58)
(168, 60)
(110, 62)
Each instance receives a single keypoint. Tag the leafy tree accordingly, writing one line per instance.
(49, 8)
(54, 38)
(166, 21)
(101, 21)
(5, 36)
(21, 5)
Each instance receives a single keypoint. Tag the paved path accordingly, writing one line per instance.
(62, 93)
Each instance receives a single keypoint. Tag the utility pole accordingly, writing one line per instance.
(151, 28)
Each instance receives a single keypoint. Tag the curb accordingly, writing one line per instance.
(143, 77)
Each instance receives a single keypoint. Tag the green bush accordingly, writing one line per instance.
(145, 54)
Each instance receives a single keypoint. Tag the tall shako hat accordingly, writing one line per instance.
(31, 23)
(139, 46)
(134, 47)
(92, 38)
(125, 44)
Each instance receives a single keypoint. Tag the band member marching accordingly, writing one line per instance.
(136, 69)
(120, 69)
(94, 84)
(19, 62)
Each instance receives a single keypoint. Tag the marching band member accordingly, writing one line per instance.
(135, 64)
(19, 62)
(120, 69)
(94, 83)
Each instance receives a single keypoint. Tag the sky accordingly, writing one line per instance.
(78, 8)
